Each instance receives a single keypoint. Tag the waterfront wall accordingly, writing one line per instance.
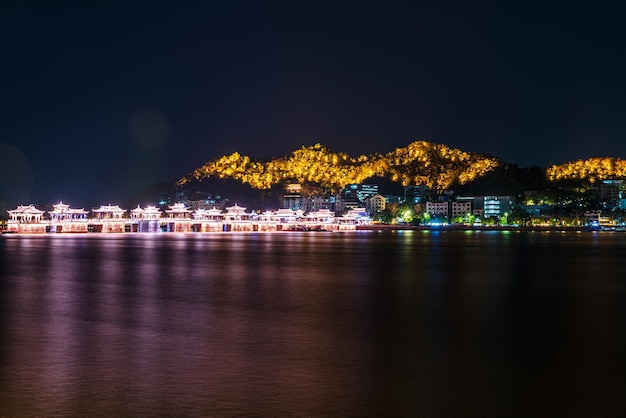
(168, 225)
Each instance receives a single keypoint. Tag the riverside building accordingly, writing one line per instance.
(177, 218)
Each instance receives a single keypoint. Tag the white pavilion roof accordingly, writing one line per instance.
(149, 211)
(109, 208)
(357, 213)
(80, 211)
(138, 210)
(283, 211)
(235, 209)
(178, 208)
(26, 209)
(153, 210)
(322, 212)
(60, 207)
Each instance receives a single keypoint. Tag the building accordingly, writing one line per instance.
(375, 204)
(178, 218)
(204, 204)
(437, 208)
(460, 208)
(415, 194)
(62, 212)
(65, 219)
(361, 191)
(610, 189)
(146, 219)
(494, 206)
(319, 202)
(113, 212)
(148, 213)
(178, 211)
(355, 216)
(347, 203)
(367, 190)
(392, 199)
(109, 218)
(292, 199)
(449, 209)
(293, 188)
(26, 220)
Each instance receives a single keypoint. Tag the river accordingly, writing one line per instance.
(420, 323)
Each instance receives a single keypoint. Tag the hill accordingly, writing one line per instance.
(435, 165)
(591, 169)
(438, 166)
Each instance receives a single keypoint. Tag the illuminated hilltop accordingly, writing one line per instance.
(592, 169)
(435, 165)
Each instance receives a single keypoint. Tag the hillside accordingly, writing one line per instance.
(435, 165)
(438, 166)
(591, 169)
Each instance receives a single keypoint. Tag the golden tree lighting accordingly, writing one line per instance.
(421, 162)
(592, 169)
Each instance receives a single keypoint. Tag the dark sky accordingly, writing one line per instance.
(99, 100)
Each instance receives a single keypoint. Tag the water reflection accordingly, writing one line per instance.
(409, 323)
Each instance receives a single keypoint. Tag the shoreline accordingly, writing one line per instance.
(382, 227)
(359, 228)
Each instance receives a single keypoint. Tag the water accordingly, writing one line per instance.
(317, 324)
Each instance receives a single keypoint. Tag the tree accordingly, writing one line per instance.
(405, 213)
(386, 216)
(457, 220)
(489, 221)
(521, 217)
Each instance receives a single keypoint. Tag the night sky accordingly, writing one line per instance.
(99, 101)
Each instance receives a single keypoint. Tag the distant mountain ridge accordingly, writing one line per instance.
(435, 165)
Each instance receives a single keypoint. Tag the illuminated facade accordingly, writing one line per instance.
(26, 220)
(204, 204)
(25, 214)
(65, 219)
(494, 206)
(149, 213)
(320, 202)
(449, 209)
(110, 219)
(179, 218)
(178, 211)
(437, 208)
(348, 203)
(375, 204)
(109, 212)
(63, 212)
(145, 219)
(361, 191)
(293, 201)
(460, 208)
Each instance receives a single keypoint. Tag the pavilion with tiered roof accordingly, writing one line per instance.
(62, 213)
